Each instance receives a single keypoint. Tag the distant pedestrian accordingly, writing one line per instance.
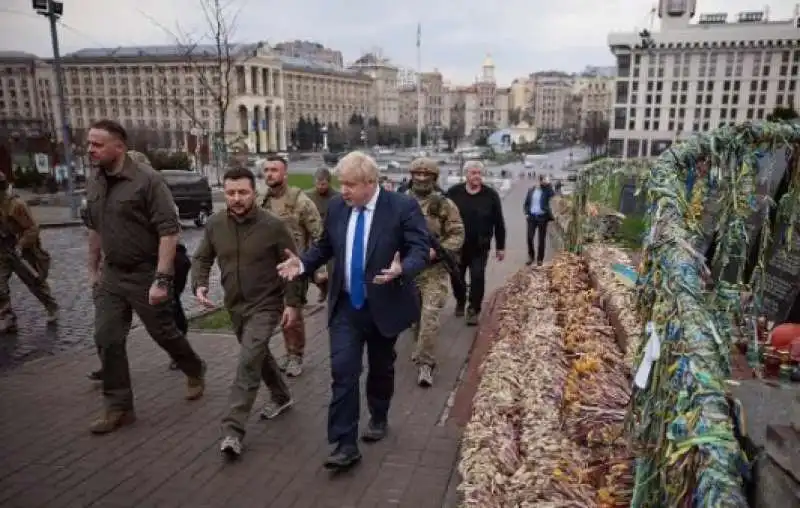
(134, 229)
(536, 208)
(482, 212)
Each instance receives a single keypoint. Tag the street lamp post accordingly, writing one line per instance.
(324, 131)
(52, 10)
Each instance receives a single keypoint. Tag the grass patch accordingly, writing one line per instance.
(306, 181)
(607, 191)
(218, 320)
(632, 231)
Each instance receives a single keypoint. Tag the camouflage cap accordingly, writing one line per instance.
(139, 157)
(424, 165)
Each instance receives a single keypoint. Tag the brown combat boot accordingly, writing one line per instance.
(196, 386)
(111, 420)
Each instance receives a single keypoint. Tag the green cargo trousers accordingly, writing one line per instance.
(115, 300)
(255, 364)
(41, 287)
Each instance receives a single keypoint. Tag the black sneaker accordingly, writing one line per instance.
(459, 310)
(96, 375)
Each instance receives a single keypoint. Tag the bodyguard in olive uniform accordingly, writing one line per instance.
(20, 231)
(134, 228)
(321, 195)
(248, 243)
(445, 225)
(300, 215)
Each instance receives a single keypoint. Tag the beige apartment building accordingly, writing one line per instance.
(385, 94)
(435, 110)
(26, 103)
(521, 92)
(323, 91)
(485, 105)
(166, 93)
(552, 103)
(166, 96)
(595, 99)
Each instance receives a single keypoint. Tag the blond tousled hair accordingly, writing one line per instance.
(359, 165)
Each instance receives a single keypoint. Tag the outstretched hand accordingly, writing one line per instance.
(201, 294)
(391, 273)
(290, 268)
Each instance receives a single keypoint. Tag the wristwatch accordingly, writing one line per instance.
(164, 280)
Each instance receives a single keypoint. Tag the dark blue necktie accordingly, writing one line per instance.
(357, 288)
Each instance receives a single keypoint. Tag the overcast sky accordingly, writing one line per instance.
(521, 35)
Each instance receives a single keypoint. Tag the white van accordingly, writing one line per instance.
(531, 161)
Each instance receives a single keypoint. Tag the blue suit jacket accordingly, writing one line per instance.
(397, 226)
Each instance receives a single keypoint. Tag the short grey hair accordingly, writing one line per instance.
(474, 164)
(322, 174)
(360, 165)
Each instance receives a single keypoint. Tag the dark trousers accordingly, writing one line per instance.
(537, 226)
(115, 301)
(474, 261)
(180, 315)
(350, 330)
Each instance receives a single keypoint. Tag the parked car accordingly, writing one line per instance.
(332, 158)
(191, 192)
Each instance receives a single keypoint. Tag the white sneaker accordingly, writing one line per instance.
(425, 378)
(273, 410)
(231, 447)
(294, 366)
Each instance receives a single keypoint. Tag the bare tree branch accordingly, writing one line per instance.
(215, 72)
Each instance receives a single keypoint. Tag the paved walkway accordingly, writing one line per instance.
(170, 458)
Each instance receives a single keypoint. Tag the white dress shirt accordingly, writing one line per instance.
(369, 212)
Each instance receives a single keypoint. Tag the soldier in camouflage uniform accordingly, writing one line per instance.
(300, 215)
(321, 195)
(21, 232)
(444, 223)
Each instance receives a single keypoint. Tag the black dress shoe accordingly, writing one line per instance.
(97, 375)
(343, 458)
(375, 432)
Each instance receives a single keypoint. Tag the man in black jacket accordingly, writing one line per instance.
(537, 210)
(482, 213)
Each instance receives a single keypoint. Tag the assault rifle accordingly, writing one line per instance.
(19, 265)
(446, 258)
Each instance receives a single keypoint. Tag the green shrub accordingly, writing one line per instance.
(632, 231)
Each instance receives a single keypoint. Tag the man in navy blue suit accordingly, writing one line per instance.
(379, 242)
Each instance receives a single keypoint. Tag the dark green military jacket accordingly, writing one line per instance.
(131, 211)
(322, 201)
(248, 250)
